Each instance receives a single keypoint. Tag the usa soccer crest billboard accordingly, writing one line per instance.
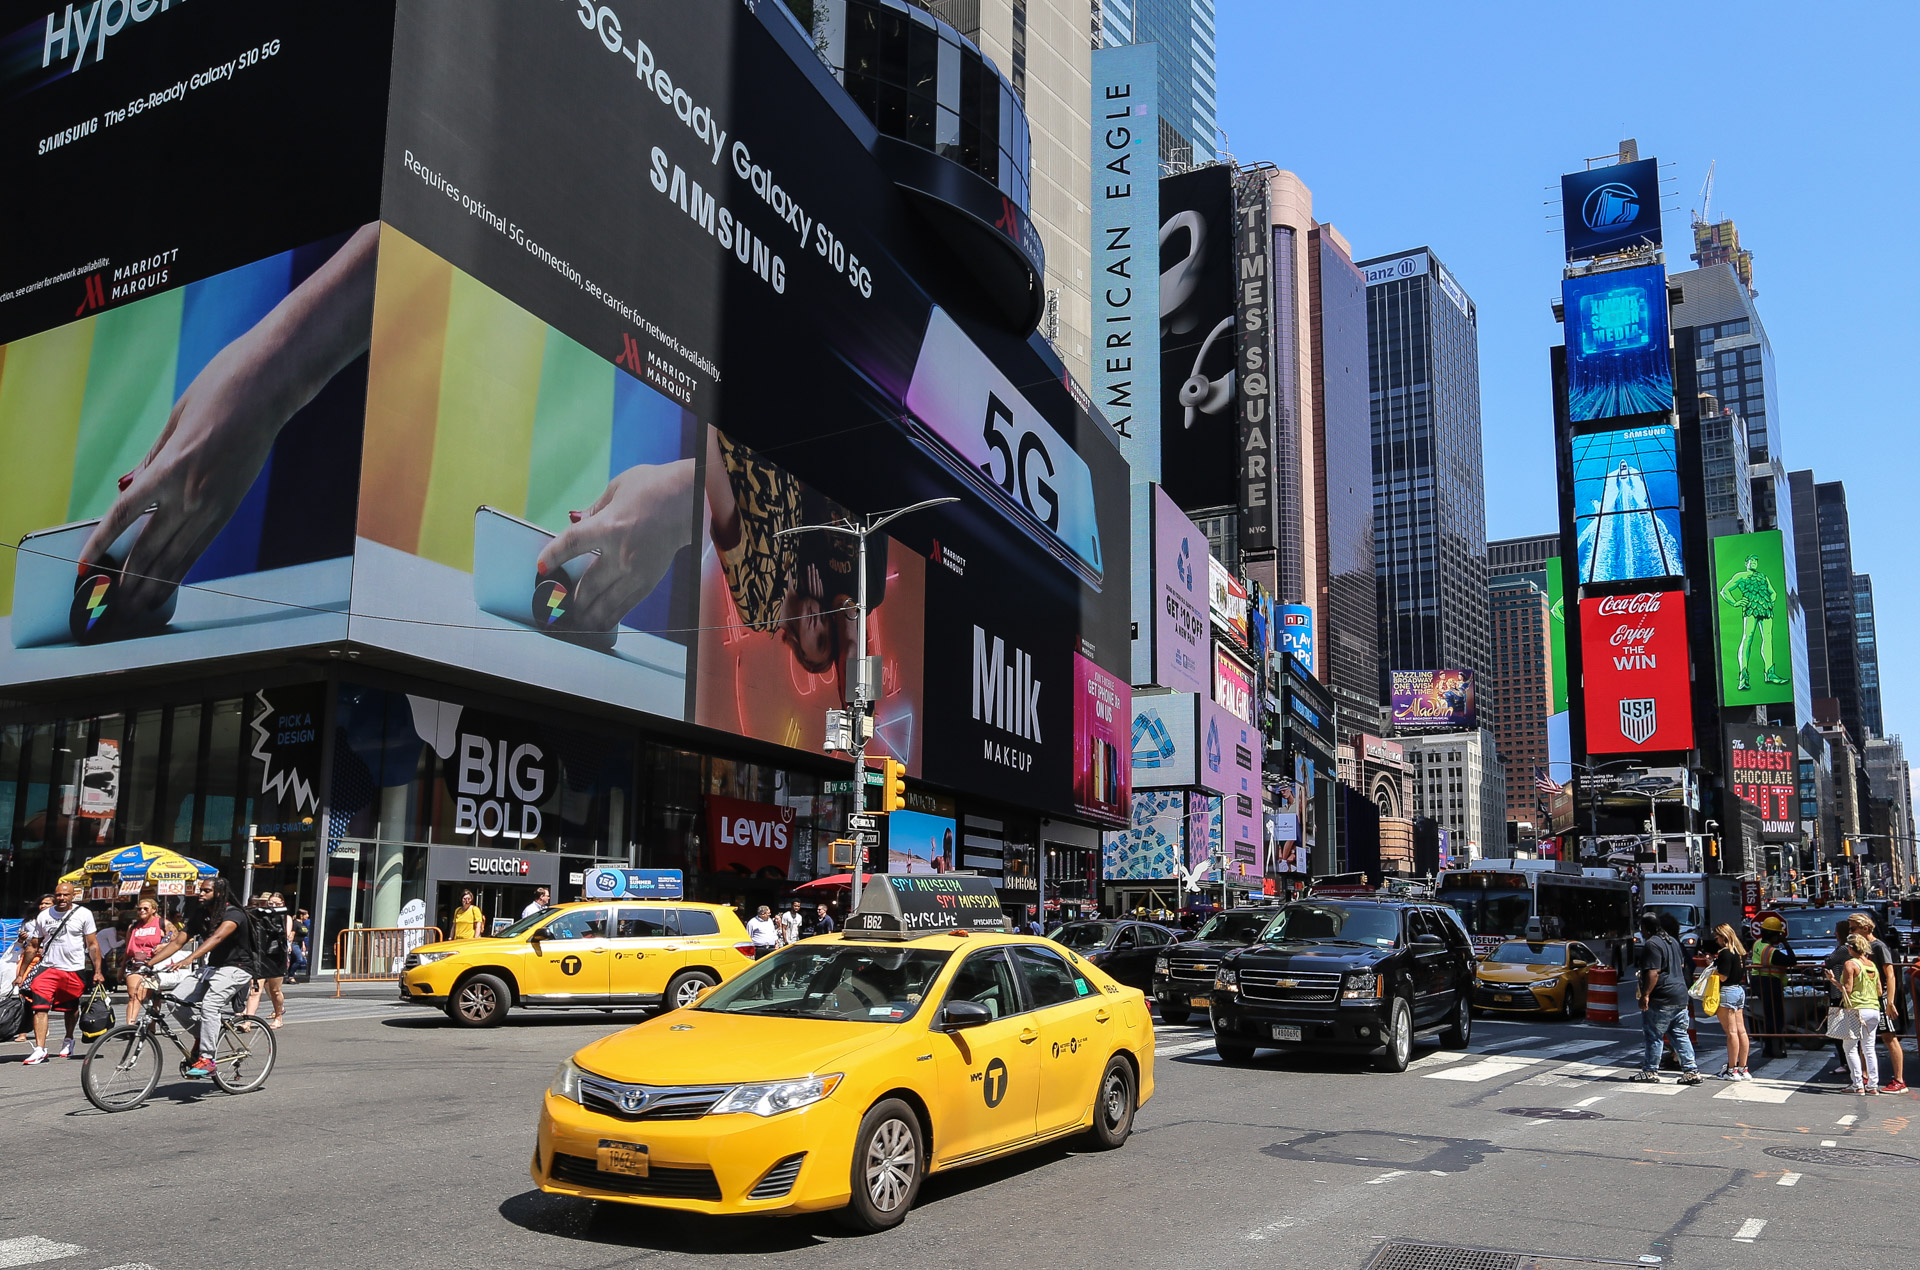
(1635, 670)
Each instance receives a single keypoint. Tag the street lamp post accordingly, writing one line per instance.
(862, 703)
(1593, 801)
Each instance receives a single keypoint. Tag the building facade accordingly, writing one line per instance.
(1866, 645)
(1523, 677)
(1521, 555)
(1890, 799)
(1429, 502)
(1459, 782)
(1825, 558)
(1184, 31)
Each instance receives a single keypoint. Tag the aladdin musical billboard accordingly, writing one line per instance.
(1634, 666)
(1433, 700)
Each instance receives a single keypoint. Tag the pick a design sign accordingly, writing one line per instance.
(1634, 659)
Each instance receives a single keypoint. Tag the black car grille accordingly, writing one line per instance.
(655, 1102)
(779, 1179)
(1289, 985)
(1192, 967)
(660, 1182)
(411, 963)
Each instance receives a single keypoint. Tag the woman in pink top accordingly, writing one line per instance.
(148, 932)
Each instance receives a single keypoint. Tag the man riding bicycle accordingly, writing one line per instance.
(226, 949)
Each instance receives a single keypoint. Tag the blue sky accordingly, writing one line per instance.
(1448, 126)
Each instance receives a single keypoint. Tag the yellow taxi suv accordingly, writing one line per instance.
(1534, 976)
(596, 955)
(839, 1072)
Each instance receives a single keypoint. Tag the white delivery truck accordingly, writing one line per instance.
(1698, 901)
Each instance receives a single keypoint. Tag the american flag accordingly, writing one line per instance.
(1543, 782)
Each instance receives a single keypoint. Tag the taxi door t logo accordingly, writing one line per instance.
(994, 1087)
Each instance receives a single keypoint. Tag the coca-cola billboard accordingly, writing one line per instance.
(1634, 662)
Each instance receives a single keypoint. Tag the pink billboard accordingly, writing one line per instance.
(1102, 714)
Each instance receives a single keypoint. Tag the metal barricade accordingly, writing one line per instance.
(1805, 999)
(373, 954)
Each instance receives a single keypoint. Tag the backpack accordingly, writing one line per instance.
(267, 935)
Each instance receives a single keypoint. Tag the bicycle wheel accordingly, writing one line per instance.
(121, 1069)
(246, 1054)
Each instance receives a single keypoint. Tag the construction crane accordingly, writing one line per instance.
(1704, 215)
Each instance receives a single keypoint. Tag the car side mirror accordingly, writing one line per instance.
(957, 1016)
(534, 939)
(1429, 941)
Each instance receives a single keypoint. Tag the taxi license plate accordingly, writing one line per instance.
(1200, 1003)
(626, 1158)
(1286, 1032)
(1502, 997)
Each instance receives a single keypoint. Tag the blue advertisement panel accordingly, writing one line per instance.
(1626, 499)
(1612, 208)
(1152, 847)
(1126, 250)
(1296, 633)
(1618, 362)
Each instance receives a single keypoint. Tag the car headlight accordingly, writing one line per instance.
(1226, 977)
(1162, 966)
(565, 1082)
(1544, 983)
(774, 1097)
(1362, 985)
(428, 958)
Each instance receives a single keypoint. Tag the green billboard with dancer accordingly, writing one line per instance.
(1750, 580)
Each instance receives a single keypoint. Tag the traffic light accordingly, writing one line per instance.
(273, 850)
(893, 784)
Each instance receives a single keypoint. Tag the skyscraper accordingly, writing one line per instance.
(1429, 505)
(1523, 679)
(1520, 555)
(1734, 362)
(1824, 544)
(1184, 31)
(1867, 653)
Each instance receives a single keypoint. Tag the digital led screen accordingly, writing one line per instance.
(1608, 209)
(1626, 498)
(1433, 699)
(1750, 608)
(1618, 362)
(1762, 770)
(1635, 674)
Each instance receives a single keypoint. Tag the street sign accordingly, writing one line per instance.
(870, 821)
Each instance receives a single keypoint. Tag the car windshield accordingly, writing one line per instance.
(1520, 953)
(1084, 934)
(818, 980)
(1814, 925)
(1379, 927)
(1490, 911)
(524, 925)
(1685, 914)
(1235, 928)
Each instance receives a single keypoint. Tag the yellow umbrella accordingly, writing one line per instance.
(142, 862)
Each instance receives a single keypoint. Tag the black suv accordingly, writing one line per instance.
(1183, 975)
(1360, 976)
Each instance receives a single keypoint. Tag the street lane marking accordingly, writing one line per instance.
(1588, 1102)
(1829, 1142)
(31, 1250)
(1567, 1049)
(1788, 1179)
(1846, 1120)
(1485, 1069)
(1776, 1088)
(1750, 1231)
(1572, 1075)
(1511, 1042)
(1438, 1058)
(1191, 1047)
(1386, 1177)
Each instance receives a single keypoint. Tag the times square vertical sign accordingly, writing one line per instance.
(1253, 357)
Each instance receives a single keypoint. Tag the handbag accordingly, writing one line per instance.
(1699, 989)
(1838, 1026)
(97, 1017)
(1710, 1002)
(13, 1015)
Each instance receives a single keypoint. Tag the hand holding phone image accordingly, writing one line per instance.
(221, 429)
(622, 544)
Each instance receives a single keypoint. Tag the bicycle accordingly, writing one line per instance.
(122, 1067)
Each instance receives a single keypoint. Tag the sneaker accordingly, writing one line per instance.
(1894, 1087)
(39, 1055)
(1727, 1073)
(1690, 1078)
(1741, 1073)
(66, 1050)
(200, 1070)
(1644, 1078)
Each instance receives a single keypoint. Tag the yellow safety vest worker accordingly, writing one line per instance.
(1763, 966)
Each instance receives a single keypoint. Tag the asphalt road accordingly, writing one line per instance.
(388, 1138)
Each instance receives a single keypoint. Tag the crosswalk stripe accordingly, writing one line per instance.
(1436, 1059)
(1776, 1086)
(31, 1250)
(1485, 1069)
(1509, 1042)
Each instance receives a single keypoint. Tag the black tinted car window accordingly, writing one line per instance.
(698, 921)
(1050, 981)
(986, 979)
(578, 923)
(1127, 938)
(1153, 936)
(1084, 934)
(1378, 927)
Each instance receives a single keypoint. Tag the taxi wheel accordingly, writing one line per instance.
(888, 1161)
(1399, 1049)
(479, 1002)
(1113, 1107)
(684, 987)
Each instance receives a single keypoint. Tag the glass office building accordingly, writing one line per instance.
(1184, 31)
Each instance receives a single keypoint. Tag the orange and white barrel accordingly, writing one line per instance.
(1603, 995)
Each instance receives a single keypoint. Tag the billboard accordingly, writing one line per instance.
(1233, 684)
(1199, 419)
(1254, 360)
(1227, 601)
(1626, 504)
(1557, 630)
(1762, 768)
(1750, 610)
(1165, 754)
(1433, 700)
(1181, 636)
(919, 842)
(1609, 209)
(1102, 779)
(1153, 844)
(1296, 633)
(1635, 673)
(1618, 359)
(1126, 257)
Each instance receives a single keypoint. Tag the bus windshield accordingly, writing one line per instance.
(1490, 910)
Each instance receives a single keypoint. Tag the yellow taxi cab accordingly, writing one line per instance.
(599, 954)
(1534, 976)
(839, 1072)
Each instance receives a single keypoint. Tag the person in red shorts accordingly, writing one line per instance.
(63, 940)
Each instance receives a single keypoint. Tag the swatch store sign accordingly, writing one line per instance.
(499, 787)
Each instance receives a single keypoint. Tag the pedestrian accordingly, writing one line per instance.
(1730, 963)
(468, 920)
(225, 944)
(822, 921)
(63, 941)
(542, 899)
(150, 929)
(270, 970)
(298, 960)
(1033, 923)
(764, 932)
(1771, 958)
(1883, 960)
(14, 962)
(1860, 1000)
(1663, 1002)
(790, 923)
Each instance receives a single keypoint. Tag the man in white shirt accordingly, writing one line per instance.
(542, 900)
(764, 932)
(63, 939)
(789, 923)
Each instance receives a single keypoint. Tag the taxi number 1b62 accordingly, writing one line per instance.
(628, 1158)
